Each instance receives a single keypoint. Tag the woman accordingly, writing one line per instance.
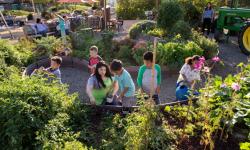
(188, 73)
(207, 18)
(101, 85)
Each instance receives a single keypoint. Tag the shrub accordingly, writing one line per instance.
(48, 46)
(158, 32)
(174, 54)
(191, 13)
(133, 9)
(141, 27)
(140, 130)
(125, 53)
(26, 106)
(16, 54)
(138, 50)
(169, 13)
(16, 12)
(57, 134)
(210, 47)
(182, 28)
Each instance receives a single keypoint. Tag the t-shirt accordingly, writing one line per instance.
(41, 27)
(208, 13)
(55, 72)
(99, 92)
(144, 78)
(190, 74)
(125, 80)
(94, 60)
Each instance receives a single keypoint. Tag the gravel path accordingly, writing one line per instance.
(77, 80)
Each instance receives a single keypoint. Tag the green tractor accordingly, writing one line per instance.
(233, 19)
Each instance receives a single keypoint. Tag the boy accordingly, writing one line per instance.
(144, 79)
(125, 82)
(94, 58)
(55, 63)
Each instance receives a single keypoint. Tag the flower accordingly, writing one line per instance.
(206, 69)
(198, 66)
(202, 59)
(235, 86)
(216, 59)
(223, 85)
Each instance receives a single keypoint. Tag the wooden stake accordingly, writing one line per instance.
(6, 25)
(153, 70)
(105, 15)
(33, 5)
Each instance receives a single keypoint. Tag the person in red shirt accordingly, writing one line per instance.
(94, 58)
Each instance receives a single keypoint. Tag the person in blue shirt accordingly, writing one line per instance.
(125, 82)
(53, 70)
(207, 18)
(41, 28)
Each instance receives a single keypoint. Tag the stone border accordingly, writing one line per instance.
(67, 62)
(77, 63)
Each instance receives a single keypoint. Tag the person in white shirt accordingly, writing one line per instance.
(189, 75)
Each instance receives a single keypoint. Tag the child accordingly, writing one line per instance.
(94, 58)
(54, 69)
(125, 82)
(144, 79)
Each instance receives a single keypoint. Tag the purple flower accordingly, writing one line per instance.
(223, 85)
(235, 86)
(202, 59)
(198, 66)
(216, 59)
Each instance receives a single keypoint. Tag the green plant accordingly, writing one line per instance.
(158, 32)
(210, 47)
(174, 54)
(16, 12)
(48, 46)
(26, 105)
(191, 13)
(16, 54)
(140, 130)
(124, 53)
(57, 134)
(138, 50)
(141, 27)
(169, 13)
(133, 9)
(182, 28)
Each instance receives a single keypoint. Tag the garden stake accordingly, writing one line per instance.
(153, 70)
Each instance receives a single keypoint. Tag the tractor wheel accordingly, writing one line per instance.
(244, 39)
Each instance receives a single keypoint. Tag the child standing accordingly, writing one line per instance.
(125, 82)
(144, 79)
(94, 58)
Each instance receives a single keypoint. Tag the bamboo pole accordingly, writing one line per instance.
(105, 15)
(152, 92)
(6, 25)
(33, 5)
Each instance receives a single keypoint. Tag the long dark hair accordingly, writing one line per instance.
(98, 76)
(209, 8)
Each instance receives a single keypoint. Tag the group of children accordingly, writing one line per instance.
(114, 85)
(126, 87)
